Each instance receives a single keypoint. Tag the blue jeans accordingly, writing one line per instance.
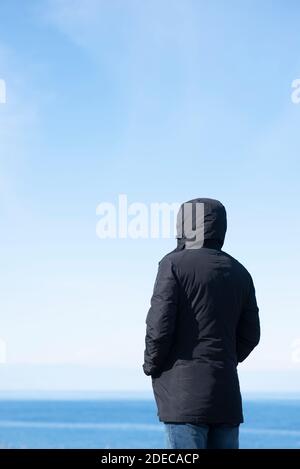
(191, 436)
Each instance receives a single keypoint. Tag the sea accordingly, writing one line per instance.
(130, 422)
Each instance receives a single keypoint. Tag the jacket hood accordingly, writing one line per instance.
(201, 223)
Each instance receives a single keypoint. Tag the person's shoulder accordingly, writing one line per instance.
(238, 265)
(172, 257)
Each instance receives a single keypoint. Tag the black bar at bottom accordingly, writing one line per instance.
(133, 458)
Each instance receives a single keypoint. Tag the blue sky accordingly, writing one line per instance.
(163, 101)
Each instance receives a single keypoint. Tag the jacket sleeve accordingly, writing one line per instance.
(248, 329)
(161, 318)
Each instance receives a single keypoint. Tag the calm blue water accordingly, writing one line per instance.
(130, 424)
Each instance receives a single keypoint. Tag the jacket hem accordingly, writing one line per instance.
(199, 420)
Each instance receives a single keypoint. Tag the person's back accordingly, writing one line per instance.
(203, 320)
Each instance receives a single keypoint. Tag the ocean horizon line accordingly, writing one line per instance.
(73, 394)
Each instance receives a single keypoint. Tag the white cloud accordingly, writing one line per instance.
(2, 91)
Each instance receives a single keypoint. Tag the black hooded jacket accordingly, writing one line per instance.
(202, 322)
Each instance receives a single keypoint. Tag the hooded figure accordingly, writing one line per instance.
(202, 322)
